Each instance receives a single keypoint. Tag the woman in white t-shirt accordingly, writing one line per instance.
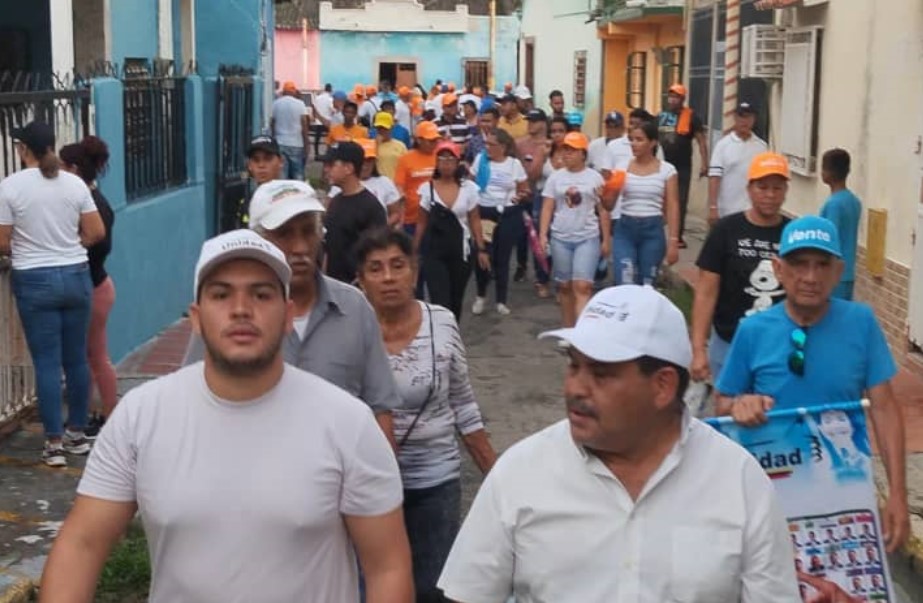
(573, 197)
(448, 222)
(650, 192)
(47, 220)
(503, 188)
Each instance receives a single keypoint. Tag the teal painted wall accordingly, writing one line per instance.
(231, 32)
(134, 29)
(348, 58)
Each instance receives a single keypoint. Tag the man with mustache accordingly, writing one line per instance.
(255, 481)
(336, 334)
(608, 505)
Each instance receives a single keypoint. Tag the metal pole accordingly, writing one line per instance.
(491, 75)
(731, 63)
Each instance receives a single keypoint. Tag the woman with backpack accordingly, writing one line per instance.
(448, 222)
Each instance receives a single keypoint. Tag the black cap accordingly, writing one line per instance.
(264, 143)
(615, 118)
(37, 136)
(745, 108)
(347, 152)
(536, 115)
(508, 98)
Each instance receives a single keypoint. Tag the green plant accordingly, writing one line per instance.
(127, 573)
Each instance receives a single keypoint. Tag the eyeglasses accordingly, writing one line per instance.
(799, 338)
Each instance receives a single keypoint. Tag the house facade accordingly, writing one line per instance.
(153, 78)
(840, 73)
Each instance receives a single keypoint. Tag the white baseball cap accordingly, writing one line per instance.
(522, 93)
(240, 244)
(627, 322)
(278, 201)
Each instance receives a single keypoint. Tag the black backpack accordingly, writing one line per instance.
(444, 235)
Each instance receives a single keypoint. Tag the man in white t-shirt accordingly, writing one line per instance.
(609, 504)
(248, 489)
(597, 154)
(290, 125)
(730, 161)
(402, 113)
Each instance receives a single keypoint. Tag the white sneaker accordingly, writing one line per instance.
(53, 455)
(479, 304)
(503, 310)
(74, 442)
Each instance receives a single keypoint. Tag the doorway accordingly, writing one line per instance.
(399, 74)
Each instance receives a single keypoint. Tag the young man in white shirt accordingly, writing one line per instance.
(248, 489)
(730, 161)
(609, 505)
(599, 147)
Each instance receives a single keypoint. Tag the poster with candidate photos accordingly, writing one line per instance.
(820, 462)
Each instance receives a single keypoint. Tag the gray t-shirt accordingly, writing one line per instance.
(244, 502)
(575, 200)
(430, 455)
(287, 112)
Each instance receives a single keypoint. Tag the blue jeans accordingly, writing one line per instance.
(432, 516)
(575, 261)
(54, 307)
(294, 162)
(638, 248)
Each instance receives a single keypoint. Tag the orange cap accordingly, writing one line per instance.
(403, 91)
(369, 147)
(768, 164)
(371, 91)
(450, 147)
(678, 89)
(427, 130)
(359, 91)
(289, 87)
(616, 181)
(449, 98)
(576, 140)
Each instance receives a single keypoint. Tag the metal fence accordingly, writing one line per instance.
(63, 102)
(155, 133)
(17, 377)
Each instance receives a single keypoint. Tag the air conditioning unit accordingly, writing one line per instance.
(762, 52)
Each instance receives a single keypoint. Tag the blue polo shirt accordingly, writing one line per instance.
(845, 354)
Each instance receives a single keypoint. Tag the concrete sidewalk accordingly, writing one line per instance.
(908, 389)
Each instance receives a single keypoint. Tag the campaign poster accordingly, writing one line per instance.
(820, 462)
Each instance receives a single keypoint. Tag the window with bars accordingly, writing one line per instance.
(476, 72)
(671, 70)
(637, 80)
(579, 79)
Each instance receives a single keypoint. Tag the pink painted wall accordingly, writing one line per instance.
(290, 62)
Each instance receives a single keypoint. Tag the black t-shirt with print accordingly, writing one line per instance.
(348, 216)
(677, 148)
(741, 254)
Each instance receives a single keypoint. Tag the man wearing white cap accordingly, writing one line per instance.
(336, 334)
(248, 489)
(609, 505)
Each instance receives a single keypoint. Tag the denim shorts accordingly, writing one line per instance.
(574, 261)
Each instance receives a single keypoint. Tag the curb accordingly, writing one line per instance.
(19, 590)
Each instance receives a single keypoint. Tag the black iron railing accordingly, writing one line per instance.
(24, 97)
(155, 132)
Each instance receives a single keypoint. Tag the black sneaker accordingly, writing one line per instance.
(95, 423)
(520, 274)
(74, 442)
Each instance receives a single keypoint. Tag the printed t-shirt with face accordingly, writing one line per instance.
(340, 133)
(677, 148)
(347, 217)
(228, 514)
(389, 153)
(741, 254)
(504, 176)
(575, 201)
(413, 169)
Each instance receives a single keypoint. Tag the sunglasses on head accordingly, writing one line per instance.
(799, 338)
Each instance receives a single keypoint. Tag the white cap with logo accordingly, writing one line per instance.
(278, 201)
(627, 322)
(241, 244)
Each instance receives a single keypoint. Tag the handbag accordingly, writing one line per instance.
(432, 385)
(444, 236)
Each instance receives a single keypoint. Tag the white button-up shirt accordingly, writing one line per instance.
(552, 524)
(730, 161)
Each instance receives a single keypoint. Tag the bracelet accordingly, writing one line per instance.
(712, 207)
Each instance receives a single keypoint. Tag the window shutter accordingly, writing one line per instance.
(799, 99)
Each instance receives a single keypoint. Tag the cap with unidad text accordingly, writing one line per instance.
(238, 245)
(810, 232)
(278, 201)
(627, 322)
(265, 143)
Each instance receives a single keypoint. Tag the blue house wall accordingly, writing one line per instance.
(157, 239)
(352, 57)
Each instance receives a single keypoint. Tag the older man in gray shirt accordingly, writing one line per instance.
(336, 335)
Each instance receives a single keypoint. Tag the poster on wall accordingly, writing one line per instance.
(820, 462)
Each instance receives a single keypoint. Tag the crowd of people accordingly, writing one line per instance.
(330, 320)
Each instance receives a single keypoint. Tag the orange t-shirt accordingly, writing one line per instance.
(339, 133)
(413, 169)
